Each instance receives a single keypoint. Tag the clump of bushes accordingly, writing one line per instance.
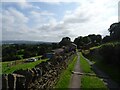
(110, 53)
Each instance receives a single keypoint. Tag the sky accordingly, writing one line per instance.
(51, 21)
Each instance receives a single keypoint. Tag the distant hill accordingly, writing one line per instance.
(25, 42)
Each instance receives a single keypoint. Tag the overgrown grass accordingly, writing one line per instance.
(8, 70)
(108, 43)
(89, 81)
(65, 76)
(95, 47)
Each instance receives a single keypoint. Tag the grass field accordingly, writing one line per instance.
(89, 81)
(7, 70)
(65, 76)
(5, 66)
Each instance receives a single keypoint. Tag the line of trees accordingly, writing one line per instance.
(93, 40)
(114, 31)
(110, 45)
(16, 51)
(110, 52)
(12, 52)
(90, 40)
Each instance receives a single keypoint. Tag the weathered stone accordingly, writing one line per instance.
(42, 76)
(11, 81)
(28, 75)
(39, 71)
(5, 81)
(20, 81)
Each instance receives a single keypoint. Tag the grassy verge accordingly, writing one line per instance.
(89, 81)
(111, 70)
(7, 70)
(85, 65)
(65, 76)
(92, 82)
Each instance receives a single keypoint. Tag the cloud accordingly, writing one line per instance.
(14, 23)
(88, 18)
(48, 1)
(27, 5)
(76, 18)
(39, 18)
(91, 17)
(40, 13)
(15, 26)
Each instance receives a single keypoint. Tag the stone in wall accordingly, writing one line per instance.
(5, 81)
(28, 75)
(11, 81)
(20, 81)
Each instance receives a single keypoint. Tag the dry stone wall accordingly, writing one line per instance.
(44, 75)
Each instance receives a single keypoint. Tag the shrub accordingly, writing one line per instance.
(110, 53)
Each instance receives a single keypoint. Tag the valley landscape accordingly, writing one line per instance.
(60, 48)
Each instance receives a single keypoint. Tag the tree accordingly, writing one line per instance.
(55, 45)
(78, 41)
(86, 40)
(106, 39)
(95, 39)
(65, 41)
(92, 37)
(98, 38)
(115, 31)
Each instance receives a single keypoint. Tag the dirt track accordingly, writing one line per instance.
(75, 79)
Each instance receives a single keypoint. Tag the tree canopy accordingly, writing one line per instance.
(65, 41)
(90, 40)
(115, 31)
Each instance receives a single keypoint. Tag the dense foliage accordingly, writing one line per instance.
(19, 51)
(12, 52)
(90, 40)
(94, 40)
(110, 53)
(107, 58)
(65, 41)
(114, 33)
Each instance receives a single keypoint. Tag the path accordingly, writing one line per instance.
(75, 79)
